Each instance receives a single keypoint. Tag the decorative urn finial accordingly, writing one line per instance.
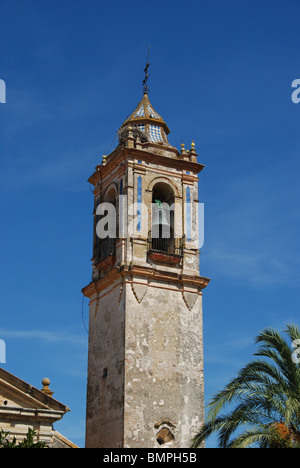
(46, 389)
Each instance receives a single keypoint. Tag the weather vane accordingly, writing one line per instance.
(146, 89)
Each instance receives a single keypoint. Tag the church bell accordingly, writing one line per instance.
(160, 220)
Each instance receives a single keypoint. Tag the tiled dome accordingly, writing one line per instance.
(147, 120)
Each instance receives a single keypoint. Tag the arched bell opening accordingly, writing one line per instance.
(105, 251)
(161, 237)
(111, 195)
(163, 192)
(162, 213)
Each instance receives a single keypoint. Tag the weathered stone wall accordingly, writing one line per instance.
(164, 365)
(105, 390)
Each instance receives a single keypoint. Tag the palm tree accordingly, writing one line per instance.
(265, 397)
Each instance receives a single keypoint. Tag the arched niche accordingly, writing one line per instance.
(110, 194)
(164, 180)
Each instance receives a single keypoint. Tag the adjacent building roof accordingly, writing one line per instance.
(17, 395)
(23, 406)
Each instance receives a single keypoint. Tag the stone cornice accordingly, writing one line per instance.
(183, 279)
(126, 154)
(11, 413)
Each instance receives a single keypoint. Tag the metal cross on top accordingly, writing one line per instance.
(146, 89)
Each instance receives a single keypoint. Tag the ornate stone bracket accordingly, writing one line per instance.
(139, 290)
(190, 299)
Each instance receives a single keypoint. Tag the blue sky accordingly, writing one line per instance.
(221, 75)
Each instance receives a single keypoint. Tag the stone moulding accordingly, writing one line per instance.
(190, 298)
(122, 154)
(196, 282)
(121, 292)
(139, 290)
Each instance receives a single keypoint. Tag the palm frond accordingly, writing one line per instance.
(264, 395)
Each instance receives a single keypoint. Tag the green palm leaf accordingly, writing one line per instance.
(263, 400)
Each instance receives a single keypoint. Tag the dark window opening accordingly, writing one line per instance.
(164, 436)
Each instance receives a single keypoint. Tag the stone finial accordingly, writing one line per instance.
(182, 148)
(129, 142)
(46, 389)
(193, 153)
(104, 160)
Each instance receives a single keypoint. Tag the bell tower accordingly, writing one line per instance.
(145, 361)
